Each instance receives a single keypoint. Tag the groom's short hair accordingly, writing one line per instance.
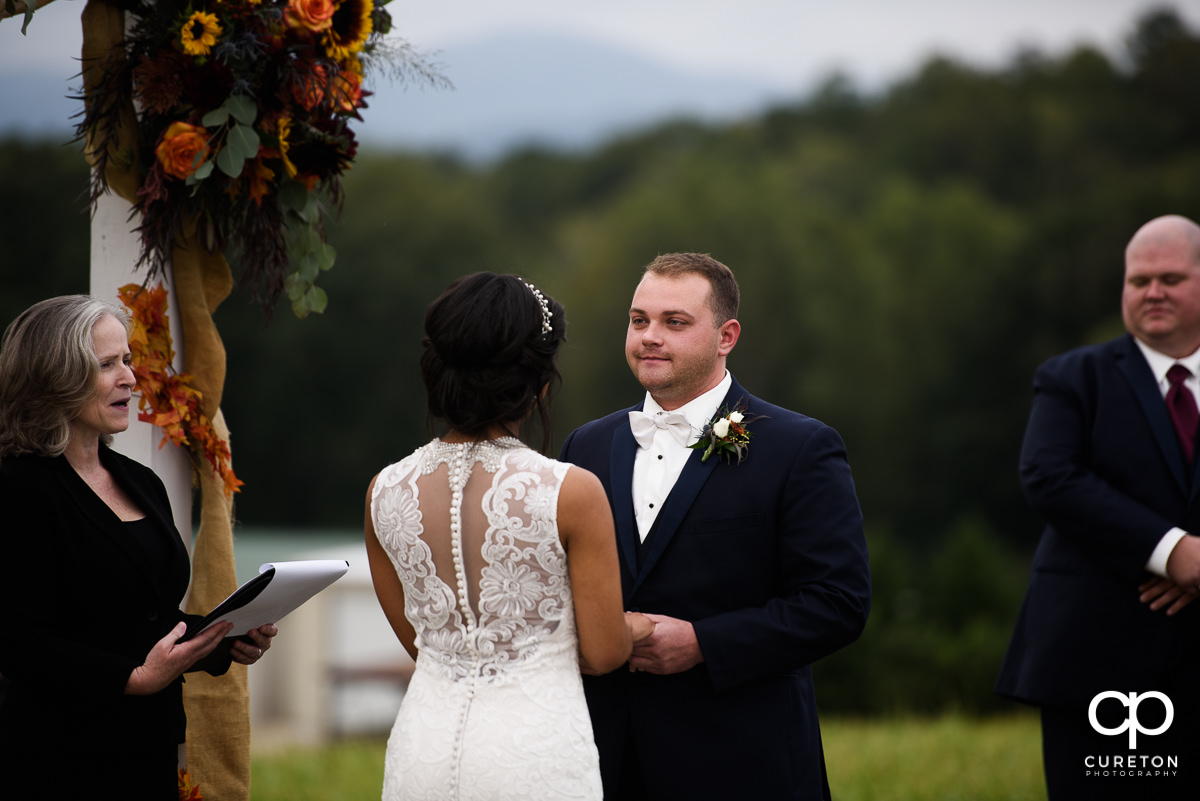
(723, 296)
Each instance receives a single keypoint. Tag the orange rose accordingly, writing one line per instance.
(182, 149)
(311, 15)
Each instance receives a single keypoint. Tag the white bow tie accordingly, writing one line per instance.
(644, 424)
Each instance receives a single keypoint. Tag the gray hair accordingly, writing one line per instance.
(48, 371)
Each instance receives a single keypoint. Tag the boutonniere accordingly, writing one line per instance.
(727, 434)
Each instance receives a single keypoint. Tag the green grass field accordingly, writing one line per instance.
(944, 759)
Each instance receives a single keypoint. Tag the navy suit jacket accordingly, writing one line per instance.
(81, 605)
(768, 561)
(1102, 464)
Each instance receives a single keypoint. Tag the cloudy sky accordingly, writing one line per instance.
(782, 45)
(783, 39)
(772, 39)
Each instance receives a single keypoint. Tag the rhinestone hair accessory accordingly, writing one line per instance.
(541, 299)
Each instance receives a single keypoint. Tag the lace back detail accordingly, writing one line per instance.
(472, 531)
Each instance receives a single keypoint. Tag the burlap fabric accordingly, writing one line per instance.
(218, 735)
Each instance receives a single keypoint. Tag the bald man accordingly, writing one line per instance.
(1107, 643)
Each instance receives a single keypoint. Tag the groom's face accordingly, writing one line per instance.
(673, 345)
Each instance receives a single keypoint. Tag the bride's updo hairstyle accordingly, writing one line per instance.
(489, 349)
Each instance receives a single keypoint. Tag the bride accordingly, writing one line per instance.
(496, 566)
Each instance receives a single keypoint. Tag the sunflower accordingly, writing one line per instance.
(285, 130)
(199, 33)
(350, 29)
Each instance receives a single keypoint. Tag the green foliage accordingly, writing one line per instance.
(939, 626)
(906, 260)
(43, 223)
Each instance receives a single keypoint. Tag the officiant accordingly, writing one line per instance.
(92, 572)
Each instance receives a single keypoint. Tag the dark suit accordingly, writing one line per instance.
(81, 605)
(768, 561)
(1102, 464)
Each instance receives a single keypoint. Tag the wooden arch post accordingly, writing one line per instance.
(218, 738)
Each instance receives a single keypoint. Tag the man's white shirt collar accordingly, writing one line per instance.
(657, 466)
(699, 411)
(1160, 363)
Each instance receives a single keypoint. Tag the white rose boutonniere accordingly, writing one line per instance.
(727, 434)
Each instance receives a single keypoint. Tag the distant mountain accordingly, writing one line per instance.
(567, 93)
(36, 103)
(509, 91)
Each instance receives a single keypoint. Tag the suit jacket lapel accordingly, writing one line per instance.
(693, 477)
(1141, 379)
(620, 467)
(683, 495)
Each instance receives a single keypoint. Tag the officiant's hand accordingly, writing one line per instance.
(247, 653)
(671, 648)
(169, 658)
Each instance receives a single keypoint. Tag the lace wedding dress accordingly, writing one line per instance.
(495, 709)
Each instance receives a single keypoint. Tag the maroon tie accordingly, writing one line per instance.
(1182, 406)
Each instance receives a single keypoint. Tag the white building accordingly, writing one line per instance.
(336, 669)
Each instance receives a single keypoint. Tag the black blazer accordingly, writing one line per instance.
(1101, 463)
(768, 561)
(81, 605)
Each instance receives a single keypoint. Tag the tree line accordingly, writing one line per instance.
(906, 259)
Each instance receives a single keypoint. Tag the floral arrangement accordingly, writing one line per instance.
(242, 130)
(727, 434)
(187, 790)
(168, 400)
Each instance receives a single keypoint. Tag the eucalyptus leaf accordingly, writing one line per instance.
(243, 109)
(317, 299)
(295, 286)
(30, 6)
(300, 307)
(244, 140)
(327, 256)
(218, 116)
(308, 267)
(201, 172)
(230, 163)
(294, 196)
(297, 239)
(310, 240)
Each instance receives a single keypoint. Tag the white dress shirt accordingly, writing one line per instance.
(656, 468)
(1160, 363)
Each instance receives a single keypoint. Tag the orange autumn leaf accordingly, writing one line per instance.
(260, 181)
(167, 399)
(188, 791)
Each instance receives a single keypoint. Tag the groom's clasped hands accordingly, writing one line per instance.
(640, 626)
(661, 644)
(666, 645)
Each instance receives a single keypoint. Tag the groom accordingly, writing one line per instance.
(751, 570)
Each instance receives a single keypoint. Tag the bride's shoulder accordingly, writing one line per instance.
(527, 459)
(397, 470)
